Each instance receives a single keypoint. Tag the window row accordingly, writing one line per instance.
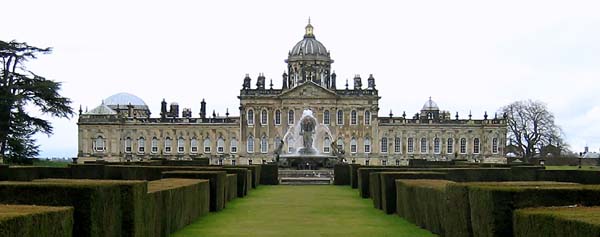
(437, 144)
(264, 117)
(99, 145)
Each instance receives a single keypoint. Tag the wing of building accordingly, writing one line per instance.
(121, 127)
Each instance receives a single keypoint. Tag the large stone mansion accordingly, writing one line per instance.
(121, 128)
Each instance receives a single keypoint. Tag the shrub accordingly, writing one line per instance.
(231, 186)
(269, 174)
(557, 221)
(217, 184)
(35, 221)
(422, 202)
(387, 185)
(341, 173)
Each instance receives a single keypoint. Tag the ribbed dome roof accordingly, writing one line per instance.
(430, 105)
(309, 46)
(123, 99)
(101, 110)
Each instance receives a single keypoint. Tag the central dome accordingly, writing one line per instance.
(309, 45)
(123, 99)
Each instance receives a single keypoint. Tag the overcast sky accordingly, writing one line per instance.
(468, 55)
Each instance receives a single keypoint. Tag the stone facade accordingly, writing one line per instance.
(121, 127)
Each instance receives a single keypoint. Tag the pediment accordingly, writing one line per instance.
(308, 90)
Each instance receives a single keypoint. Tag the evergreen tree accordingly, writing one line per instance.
(20, 87)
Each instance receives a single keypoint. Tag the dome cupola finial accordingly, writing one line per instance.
(309, 30)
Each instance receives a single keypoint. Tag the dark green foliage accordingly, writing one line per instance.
(217, 184)
(131, 172)
(19, 88)
(87, 171)
(172, 204)
(492, 206)
(231, 186)
(479, 174)
(387, 187)
(363, 179)
(575, 176)
(354, 175)
(457, 221)
(524, 173)
(269, 174)
(341, 173)
(423, 202)
(54, 172)
(255, 173)
(195, 162)
(35, 221)
(375, 189)
(97, 207)
(557, 221)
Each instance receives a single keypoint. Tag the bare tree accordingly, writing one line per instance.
(531, 126)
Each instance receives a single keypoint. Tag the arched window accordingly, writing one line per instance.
(264, 117)
(207, 145)
(141, 145)
(495, 145)
(168, 145)
(353, 145)
(250, 145)
(436, 145)
(250, 117)
(277, 117)
(410, 145)
(264, 145)
(367, 145)
(234, 144)
(463, 146)
(290, 144)
(475, 145)
(326, 118)
(99, 144)
(450, 146)
(180, 145)
(353, 118)
(423, 145)
(340, 117)
(194, 145)
(367, 118)
(291, 117)
(397, 145)
(128, 145)
(220, 145)
(340, 144)
(154, 148)
(326, 145)
(384, 145)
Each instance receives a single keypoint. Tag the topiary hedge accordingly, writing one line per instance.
(269, 174)
(171, 204)
(132, 195)
(423, 202)
(87, 171)
(97, 207)
(231, 186)
(557, 221)
(256, 172)
(341, 174)
(363, 179)
(375, 189)
(575, 176)
(132, 172)
(387, 187)
(217, 184)
(35, 221)
(354, 175)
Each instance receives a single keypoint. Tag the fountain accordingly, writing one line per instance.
(303, 136)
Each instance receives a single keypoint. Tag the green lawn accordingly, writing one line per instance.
(312, 210)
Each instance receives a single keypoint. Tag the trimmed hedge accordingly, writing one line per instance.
(354, 175)
(231, 186)
(479, 174)
(171, 204)
(269, 174)
(423, 202)
(97, 207)
(575, 176)
(256, 170)
(217, 184)
(132, 172)
(387, 186)
(557, 221)
(341, 174)
(35, 221)
(492, 205)
(375, 189)
(363, 179)
(87, 171)
(132, 195)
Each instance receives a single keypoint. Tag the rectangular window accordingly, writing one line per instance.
(277, 117)
(194, 149)
(340, 117)
(353, 148)
(410, 145)
(463, 146)
(436, 146)
(423, 145)
(326, 117)
(384, 147)
(397, 145)
(291, 117)
(476, 145)
(450, 147)
(495, 145)
(353, 117)
(367, 148)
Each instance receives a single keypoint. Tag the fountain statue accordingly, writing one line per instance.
(300, 139)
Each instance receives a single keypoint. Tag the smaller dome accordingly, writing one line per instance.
(430, 105)
(121, 100)
(102, 110)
